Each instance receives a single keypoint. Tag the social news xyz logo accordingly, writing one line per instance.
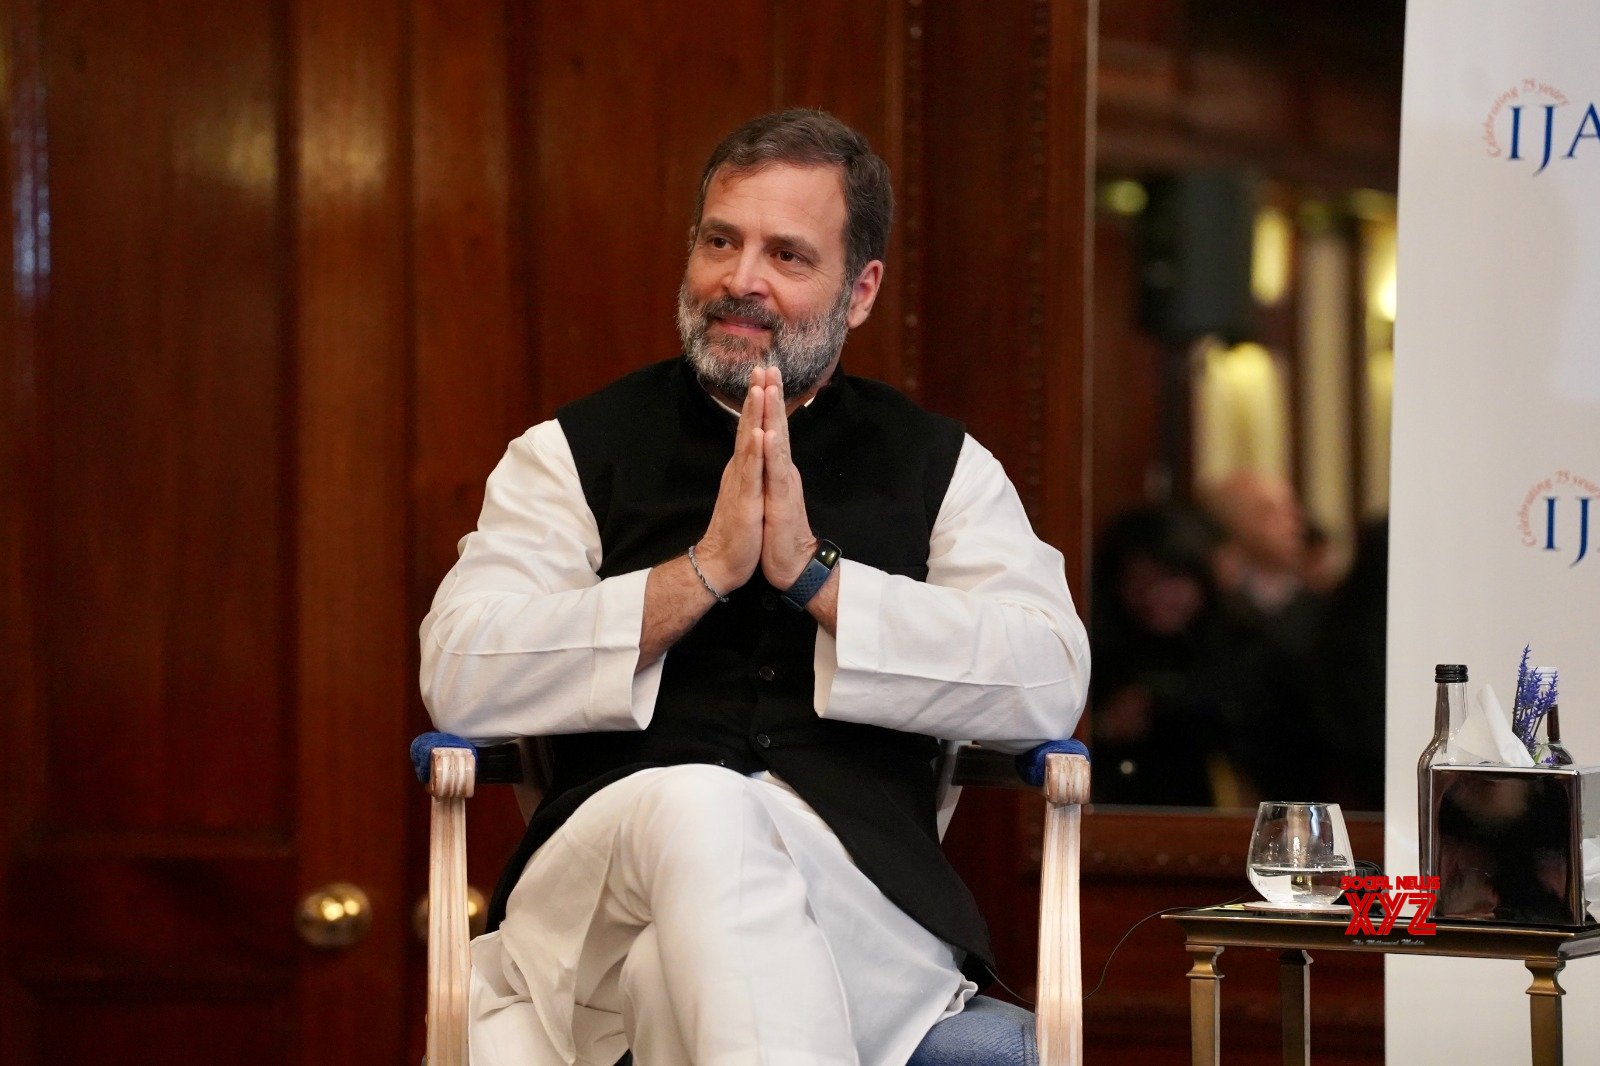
(1377, 894)
(1554, 515)
(1532, 122)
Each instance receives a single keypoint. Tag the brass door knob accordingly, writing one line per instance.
(334, 916)
(477, 915)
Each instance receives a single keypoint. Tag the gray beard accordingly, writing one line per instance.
(802, 351)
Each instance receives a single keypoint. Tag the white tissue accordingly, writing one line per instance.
(1485, 735)
(1512, 751)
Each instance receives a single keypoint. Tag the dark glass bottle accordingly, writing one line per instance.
(1449, 712)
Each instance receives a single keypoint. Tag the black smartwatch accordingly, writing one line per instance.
(813, 577)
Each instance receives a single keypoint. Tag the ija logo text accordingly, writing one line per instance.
(1554, 515)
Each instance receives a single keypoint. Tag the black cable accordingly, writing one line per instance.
(1104, 969)
(1364, 867)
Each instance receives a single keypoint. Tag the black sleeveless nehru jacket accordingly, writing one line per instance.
(737, 690)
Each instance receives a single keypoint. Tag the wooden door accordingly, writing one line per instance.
(206, 660)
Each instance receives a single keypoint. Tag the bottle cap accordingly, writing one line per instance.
(1449, 673)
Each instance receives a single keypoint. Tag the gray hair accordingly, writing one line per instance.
(806, 138)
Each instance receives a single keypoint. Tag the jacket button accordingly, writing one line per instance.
(766, 673)
(763, 740)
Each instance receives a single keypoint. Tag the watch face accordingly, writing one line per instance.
(827, 553)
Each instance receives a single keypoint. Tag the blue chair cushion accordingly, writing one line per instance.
(422, 751)
(1030, 764)
(987, 1033)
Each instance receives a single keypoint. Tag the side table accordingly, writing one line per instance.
(1207, 930)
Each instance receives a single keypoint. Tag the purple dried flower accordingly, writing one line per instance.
(1546, 698)
(1527, 689)
(1535, 695)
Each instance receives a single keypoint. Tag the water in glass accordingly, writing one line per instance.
(1299, 852)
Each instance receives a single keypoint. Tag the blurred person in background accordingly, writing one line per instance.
(1161, 645)
(1349, 662)
(1260, 561)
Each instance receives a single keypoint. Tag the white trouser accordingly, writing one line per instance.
(703, 918)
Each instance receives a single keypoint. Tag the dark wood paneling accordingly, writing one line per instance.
(354, 651)
(1128, 368)
(131, 1031)
(627, 101)
(474, 380)
(147, 407)
(848, 59)
(24, 164)
(470, 296)
(1305, 93)
(159, 421)
(1005, 113)
(1064, 132)
(206, 413)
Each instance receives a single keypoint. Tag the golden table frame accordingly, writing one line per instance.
(1208, 930)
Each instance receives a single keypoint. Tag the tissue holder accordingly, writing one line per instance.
(1508, 842)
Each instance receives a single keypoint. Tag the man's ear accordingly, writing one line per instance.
(863, 291)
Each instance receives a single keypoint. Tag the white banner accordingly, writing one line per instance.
(1495, 494)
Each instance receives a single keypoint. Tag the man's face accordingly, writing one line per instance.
(765, 283)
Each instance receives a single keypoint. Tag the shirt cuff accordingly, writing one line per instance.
(620, 698)
(854, 644)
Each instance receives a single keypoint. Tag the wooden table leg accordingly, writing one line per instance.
(1295, 980)
(1544, 1011)
(1205, 1006)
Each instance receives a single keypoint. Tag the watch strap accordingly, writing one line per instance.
(813, 577)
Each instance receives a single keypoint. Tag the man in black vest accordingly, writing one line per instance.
(745, 595)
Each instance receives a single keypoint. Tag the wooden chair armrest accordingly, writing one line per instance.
(454, 775)
(1060, 993)
(452, 781)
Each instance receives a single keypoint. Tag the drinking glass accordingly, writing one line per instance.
(1299, 852)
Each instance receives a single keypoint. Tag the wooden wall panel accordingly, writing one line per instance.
(1310, 94)
(146, 402)
(628, 100)
(238, 1033)
(1006, 106)
(142, 506)
(205, 410)
(355, 641)
(474, 375)
(473, 379)
(1128, 368)
(849, 59)
(625, 102)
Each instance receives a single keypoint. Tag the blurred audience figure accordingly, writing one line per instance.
(1321, 565)
(1160, 650)
(1259, 562)
(1279, 742)
(1349, 674)
(1221, 678)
